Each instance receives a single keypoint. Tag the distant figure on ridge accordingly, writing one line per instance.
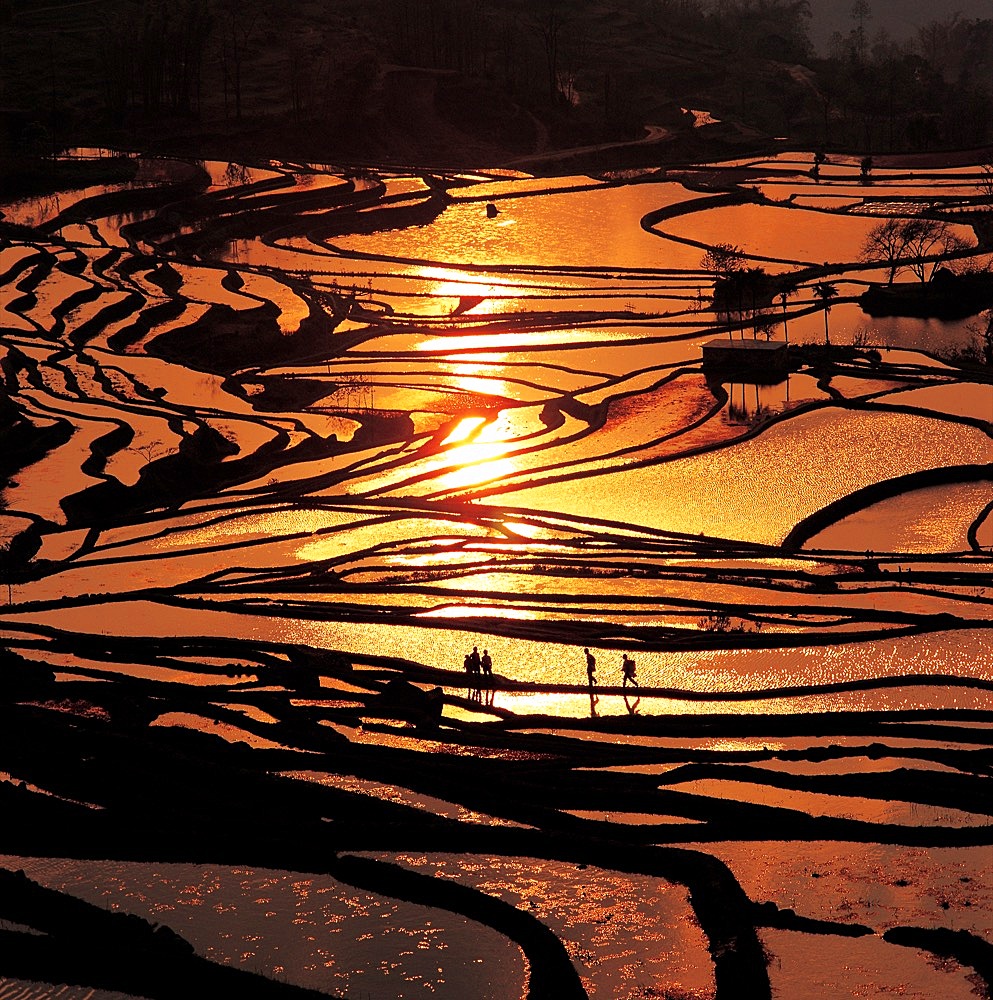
(474, 661)
(628, 670)
(486, 662)
(590, 667)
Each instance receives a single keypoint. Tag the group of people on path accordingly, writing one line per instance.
(479, 669)
(628, 669)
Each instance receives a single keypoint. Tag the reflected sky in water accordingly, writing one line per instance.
(468, 380)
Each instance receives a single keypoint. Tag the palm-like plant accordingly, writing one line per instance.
(783, 296)
(825, 291)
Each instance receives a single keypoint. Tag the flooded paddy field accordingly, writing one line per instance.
(283, 443)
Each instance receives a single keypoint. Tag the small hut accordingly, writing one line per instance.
(747, 360)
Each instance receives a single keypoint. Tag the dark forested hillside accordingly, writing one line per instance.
(469, 80)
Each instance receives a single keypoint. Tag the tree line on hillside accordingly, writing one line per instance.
(933, 91)
(608, 67)
(869, 91)
(755, 59)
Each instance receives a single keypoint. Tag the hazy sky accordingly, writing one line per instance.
(899, 17)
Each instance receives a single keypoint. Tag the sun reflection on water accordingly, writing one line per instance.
(474, 611)
(469, 292)
(464, 429)
(485, 456)
(479, 463)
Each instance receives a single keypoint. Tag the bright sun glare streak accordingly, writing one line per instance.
(464, 429)
(477, 465)
(453, 284)
(491, 342)
(482, 459)
(525, 530)
(456, 282)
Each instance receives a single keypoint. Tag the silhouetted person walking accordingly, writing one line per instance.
(590, 667)
(486, 662)
(628, 671)
(473, 664)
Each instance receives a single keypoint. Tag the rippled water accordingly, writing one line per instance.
(597, 227)
(327, 939)
(395, 430)
(932, 520)
(761, 488)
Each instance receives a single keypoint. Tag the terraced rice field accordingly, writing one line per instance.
(282, 443)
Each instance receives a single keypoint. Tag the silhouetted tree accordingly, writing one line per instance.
(886, 243)
(444, 34)
(723, 259)
(783, 296)
(984, 335)
(826, 291)
(548, 19)
(238, 23)
(726, 261)
(929, 241)
(912, 243)
(754, 290)
(935, 39)
(986, 181)
(861, 13)
(152, 55)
